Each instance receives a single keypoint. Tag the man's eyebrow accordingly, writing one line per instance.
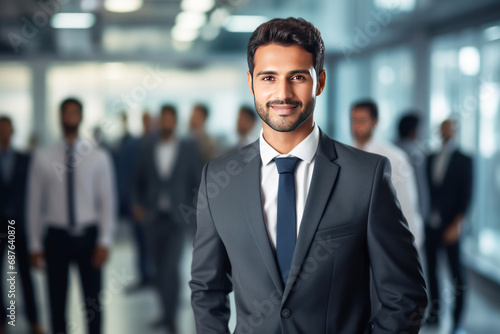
(266, 73)
(291, 72)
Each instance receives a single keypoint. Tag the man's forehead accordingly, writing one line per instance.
(281, 56)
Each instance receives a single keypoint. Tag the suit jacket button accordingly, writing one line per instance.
(285, 313)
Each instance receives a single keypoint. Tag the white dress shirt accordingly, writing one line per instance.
(441, 162)
(404, 181)
(165, 155)
(269, 181)
(93, 186)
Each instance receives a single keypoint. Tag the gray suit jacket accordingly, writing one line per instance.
(352, 224)
(183, 185)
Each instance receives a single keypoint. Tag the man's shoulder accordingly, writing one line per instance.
(348, 154)
(462, 157)
(238, 157)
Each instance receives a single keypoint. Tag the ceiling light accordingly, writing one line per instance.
(122, 6)
(72, 20)
(492, 33)
(182, 34)
(190, 20)
(243, 23)
(197, 5)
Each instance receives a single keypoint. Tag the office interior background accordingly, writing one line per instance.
(440, 58)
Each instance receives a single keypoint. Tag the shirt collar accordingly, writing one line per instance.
(449, 147)
(305, 151)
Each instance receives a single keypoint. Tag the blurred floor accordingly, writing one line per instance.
(133, 313)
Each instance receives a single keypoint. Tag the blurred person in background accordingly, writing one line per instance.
(197, 126)
(364, 118)
(245, 125)
(100, 139)
(449, 173)
(147, 124)
(169, 169)
(125, 160)
(407, 141)
(13, 171)
(71, 216)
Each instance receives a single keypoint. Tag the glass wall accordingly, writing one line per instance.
(392, 88)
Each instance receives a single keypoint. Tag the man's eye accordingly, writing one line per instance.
(267, 78)
(298, 77)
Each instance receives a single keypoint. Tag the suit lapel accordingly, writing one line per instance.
(324, 176)
(252, 204)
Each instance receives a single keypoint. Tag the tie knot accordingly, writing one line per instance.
(286, 165)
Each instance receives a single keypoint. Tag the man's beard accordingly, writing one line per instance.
(166, 133)
(70, 129)
(282, 124)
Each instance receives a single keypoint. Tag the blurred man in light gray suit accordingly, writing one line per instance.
(295, 222)
(168, 170)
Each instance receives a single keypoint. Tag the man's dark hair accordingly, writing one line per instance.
(5, 118)
(71, 100)
(368, 104)
(288, 32)
(249, 111)
(169, 108)
(203, 108)
(408, 124)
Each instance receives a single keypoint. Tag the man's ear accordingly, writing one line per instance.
(321, 82)
(250, 82)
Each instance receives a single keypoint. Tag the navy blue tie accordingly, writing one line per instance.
(287, 218)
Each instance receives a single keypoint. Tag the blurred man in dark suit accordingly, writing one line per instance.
(13, 171)
(169, 168)
(450, 184)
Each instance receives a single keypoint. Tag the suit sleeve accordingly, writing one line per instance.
(395, 265)
(139, 177)
(466, 183)
(106, 193)
(404, 181)
(36, 188)
(210, 273)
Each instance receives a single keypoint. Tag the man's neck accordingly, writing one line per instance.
(284, 142)
(71, 138)
(362, 144)
(166, 139)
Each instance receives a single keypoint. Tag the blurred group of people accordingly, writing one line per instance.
(72, 190)
(434, 191)
(66, 200)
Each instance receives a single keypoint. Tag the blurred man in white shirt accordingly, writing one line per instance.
(364, 118)
(71, 202)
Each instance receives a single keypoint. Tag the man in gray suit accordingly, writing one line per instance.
(168, 170)
(295, 222)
